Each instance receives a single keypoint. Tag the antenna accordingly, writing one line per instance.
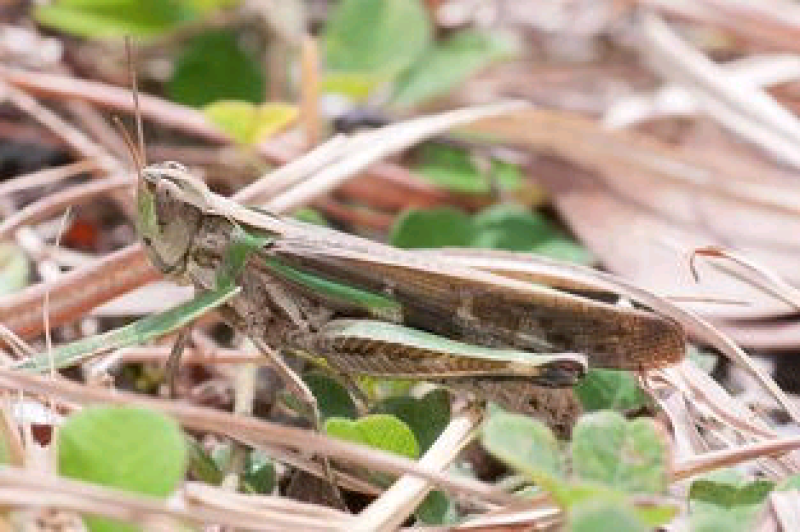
(126, 136)
(142, 157)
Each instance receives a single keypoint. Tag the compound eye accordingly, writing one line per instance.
(150, 179)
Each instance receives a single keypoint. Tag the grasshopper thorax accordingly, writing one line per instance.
(166, 221)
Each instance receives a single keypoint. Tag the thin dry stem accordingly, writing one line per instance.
(703, 463)
(46, 207)
(253, 431)
(309, 90)
(391, 509)
(46, 177)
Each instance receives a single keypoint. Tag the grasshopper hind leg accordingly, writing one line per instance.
(558, 408)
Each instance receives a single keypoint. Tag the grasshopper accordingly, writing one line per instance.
(371, 309)
(367, 308)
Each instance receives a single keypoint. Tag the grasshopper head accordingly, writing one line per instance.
(167, 218)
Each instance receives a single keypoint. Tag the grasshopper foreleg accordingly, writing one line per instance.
(174, 361)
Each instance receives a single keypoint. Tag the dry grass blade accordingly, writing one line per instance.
(611, 153)
(773, 24)
(675, 100)
(754, 274)
(723, 420)
(110, 97)
(46, 177)
(391, 509)
(23, 488)
(291, 173)
(80, 144)
(111, 276)
(742, 107)
(730, 457)
(368, 148)
(49, 205)
(786, 508)
(253, 432)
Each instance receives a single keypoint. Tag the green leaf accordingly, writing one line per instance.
(378, 38)
(311, 216)
(333, 399)
(128, 448)
(718, 522)
(726, 498)
(114, 18)
(503, 226)
(605, 516)
(201, 466)
(379, 431)
(250, 124)
(377, 389)
(221, 456)
(563, 249)
(427, 417)
(214, 66)
(789, 483)
(355, 85)
(208, 6)
(610, 389)
(437, 509)
(453, 169)
(704, 360)
(14, 269)
(628, 455)
(526, 445)
(512, 227)
(579, 493)
(259, 473)
(432, 228)
(449, 64)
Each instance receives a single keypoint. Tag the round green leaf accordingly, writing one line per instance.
(628, 455)
(128, 448)
(207, 6)
(789, 483)
(427, 417)
(14, 269)
(250, 124)
(333, 399)
(432, 228)
(453, 169)
(113, 18)
(610, 389)
(512, 227)
(355, 85)
(605, 516)
(526, 445)
(449, 64)
(201, 465)
(213, 67)
(379, 431)
(726, 498)
(437, 509)
(310, 216)
(376, 37)
(259, 473)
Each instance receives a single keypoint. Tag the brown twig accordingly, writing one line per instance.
(56, 203)
(111, 276)
(46, 177)
(254, 432)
